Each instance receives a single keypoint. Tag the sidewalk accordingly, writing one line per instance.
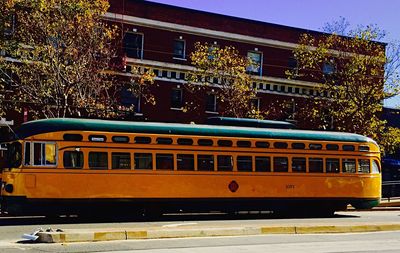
(183, 229)
(390, 202)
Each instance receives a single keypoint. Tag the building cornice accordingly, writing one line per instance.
(186, 68)
(127, 19)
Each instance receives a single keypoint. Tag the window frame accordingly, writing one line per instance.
(113, 154)
(180, 101)
(31, 154)
(249, 69)
(179, 57)
(215, 106)
(142, 46)
(151, 161)
(99, 168)
(74, 151)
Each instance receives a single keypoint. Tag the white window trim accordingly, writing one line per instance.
(142, 50)
(215, 105)
(181, 99)
(31, 152)
(184, 50)
(261, 62)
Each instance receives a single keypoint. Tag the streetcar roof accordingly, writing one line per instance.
(68, 124)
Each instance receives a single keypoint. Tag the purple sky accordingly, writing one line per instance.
(309, 14)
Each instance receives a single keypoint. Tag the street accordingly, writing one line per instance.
(12, 229)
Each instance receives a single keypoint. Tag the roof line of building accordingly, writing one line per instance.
(198, 31)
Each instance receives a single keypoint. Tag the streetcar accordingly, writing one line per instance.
(94, 167)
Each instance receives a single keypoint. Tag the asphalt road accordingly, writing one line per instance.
(11, 229)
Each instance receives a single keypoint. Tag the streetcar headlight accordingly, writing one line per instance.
(9, 188)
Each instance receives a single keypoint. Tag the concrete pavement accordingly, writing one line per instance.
(344, 222)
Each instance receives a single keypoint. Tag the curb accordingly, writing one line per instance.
(123, 234)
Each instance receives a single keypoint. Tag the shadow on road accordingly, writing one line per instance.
(43, 220)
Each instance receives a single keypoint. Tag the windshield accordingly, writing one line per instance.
(14, 155)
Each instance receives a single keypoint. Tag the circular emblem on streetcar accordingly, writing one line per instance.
(233, 186)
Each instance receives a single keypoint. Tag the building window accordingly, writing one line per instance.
(328, 68)
(256, 62)
(128, 99)
(212, 51)
(211, 103)
(255, 104)
(9, 25)
(177, 98)
(292, 64)
(133, 45)
(179, 49)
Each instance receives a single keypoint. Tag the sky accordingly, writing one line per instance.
(308, 14)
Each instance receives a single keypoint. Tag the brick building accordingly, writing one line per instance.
(162, 37)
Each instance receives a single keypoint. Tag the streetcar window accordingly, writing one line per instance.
(243, 144)
(98, 160)
(349, 165)
(280, 145)
(142, 140)
(50, 154)
(262, 144)
(164, 140)
(375, 167)
(97, 138)
(280, 164)
(263, 164)
(73, 137)
(299, 164)
(73, 159)
(14, 155)
(225, 143)
(298, 145)
(120, 139)
(185, 141)
(27, 153)
(225, 163)
(315, 146)
(332, 147)
(205, 162)
(348, 148)
(164, 161)
(205, 142)
(364, 166)
(244, 163)
(363, 148)
(332, 165)
(44, 154)
(121, 161)
(315, 165)
(185, 162)
(143, 161)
